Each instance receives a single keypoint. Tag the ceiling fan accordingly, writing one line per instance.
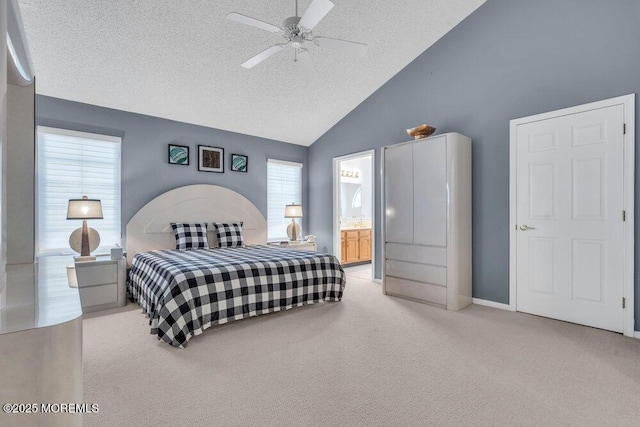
(297, 32)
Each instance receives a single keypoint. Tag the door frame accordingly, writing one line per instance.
(337, 248)
(628, 103)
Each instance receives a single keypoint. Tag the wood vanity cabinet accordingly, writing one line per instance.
(356, 246)
(364, 245)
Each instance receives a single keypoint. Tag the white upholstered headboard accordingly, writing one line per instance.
(150, 227)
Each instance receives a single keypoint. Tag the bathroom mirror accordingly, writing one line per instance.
(350, 200)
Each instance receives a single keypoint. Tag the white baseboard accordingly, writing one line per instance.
(491, 304)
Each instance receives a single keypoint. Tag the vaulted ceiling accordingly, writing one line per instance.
(180, 60)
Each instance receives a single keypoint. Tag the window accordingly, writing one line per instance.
(284, 186)
(71, 165)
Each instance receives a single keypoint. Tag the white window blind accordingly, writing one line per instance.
(71, 165)
(284, 186)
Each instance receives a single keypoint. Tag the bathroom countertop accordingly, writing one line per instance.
(38, 296)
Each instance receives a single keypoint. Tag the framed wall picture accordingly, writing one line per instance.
(239, 163)
(178, 154)
(210, 159)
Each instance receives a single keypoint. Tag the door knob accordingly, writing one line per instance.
(525, 227)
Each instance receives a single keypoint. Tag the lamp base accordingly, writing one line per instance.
(293, 231)
(75, 240)
(85, 258)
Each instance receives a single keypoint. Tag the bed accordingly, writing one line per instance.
(184, 292)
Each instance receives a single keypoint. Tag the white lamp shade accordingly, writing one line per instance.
(293, 211)
(84, 209)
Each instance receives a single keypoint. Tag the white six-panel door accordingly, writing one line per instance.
(570, 258)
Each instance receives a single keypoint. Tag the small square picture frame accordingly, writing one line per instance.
(210, 159)
(239, 163)
(178, 155)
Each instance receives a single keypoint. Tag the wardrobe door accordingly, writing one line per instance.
(430, 195)
(398, 187)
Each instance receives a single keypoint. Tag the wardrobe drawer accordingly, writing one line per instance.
(416, 290)
(415, 253)
(418, 272)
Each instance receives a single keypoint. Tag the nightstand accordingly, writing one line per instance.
(299, 245)
(102, 283)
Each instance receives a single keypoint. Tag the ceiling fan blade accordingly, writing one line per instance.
(304, 59)
(317, 10)
(247, 20)
(352, 48)
(252, 62)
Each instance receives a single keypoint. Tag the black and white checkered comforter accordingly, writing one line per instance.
(186, 292)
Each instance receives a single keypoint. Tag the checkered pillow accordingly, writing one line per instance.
(229, 234)
(190, 236)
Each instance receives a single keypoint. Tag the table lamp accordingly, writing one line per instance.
(84, 209)
(293, 211)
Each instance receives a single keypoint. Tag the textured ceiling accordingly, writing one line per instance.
(180, 60)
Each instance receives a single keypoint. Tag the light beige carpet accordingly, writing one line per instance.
(368, 360)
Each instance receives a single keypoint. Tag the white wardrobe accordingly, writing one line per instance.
(427, 220)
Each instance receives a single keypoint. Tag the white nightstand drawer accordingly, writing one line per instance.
(298, 246)
(98, 295)
(304, 246)
(96, 274)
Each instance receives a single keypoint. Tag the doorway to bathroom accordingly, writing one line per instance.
(353, 211)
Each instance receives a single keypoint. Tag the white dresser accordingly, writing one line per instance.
(427, 220)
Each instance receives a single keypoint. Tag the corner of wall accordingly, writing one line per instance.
(20, 197)
(3, 153)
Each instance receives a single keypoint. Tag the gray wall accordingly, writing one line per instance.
(145, 171)
(509, 59)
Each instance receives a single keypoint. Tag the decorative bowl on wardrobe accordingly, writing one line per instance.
(421, 131)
